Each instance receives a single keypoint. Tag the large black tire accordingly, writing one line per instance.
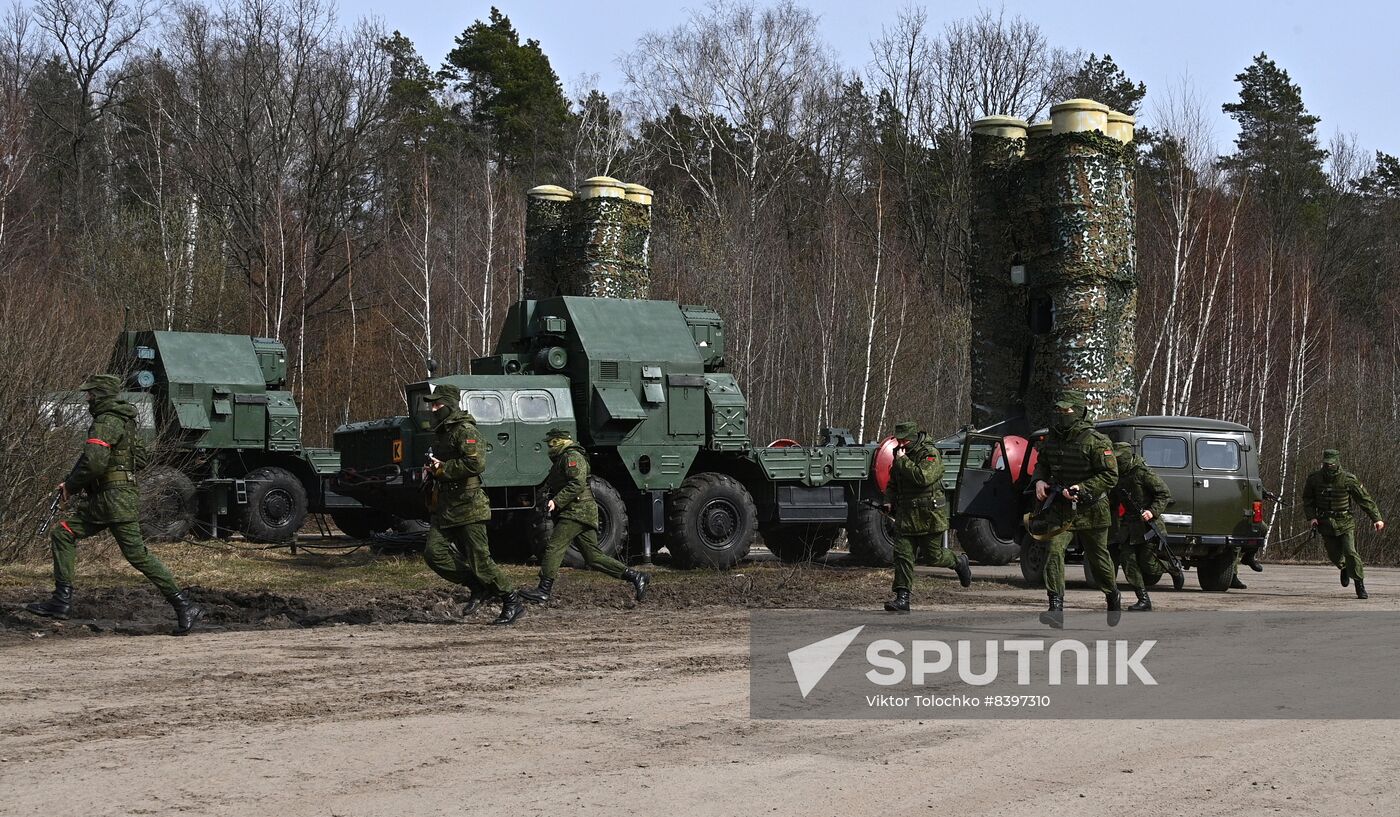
(167, 503)
(800, 543)
(276, 506)
(983, 545)
(1214, 574)
(712, 520)
(1033, 556)
(362, 523)
(612, 524)
(870, 536)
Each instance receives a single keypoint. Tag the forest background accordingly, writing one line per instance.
(264, 167)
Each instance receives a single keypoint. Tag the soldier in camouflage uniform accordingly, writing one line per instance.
(920, 514)
(1145, 497)
(1327, 498)
(1078, 461)
(577, 520)
(457, 549)
(104, 473)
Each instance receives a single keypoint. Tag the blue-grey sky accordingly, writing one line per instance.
(1342, 52)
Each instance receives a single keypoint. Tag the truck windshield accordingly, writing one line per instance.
(485, 407)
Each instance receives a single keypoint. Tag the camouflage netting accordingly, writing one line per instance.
(1078, 195)
(1000, 334)
(545, 224)
(597, 246)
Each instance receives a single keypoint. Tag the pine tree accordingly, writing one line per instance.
(1276, 152)
(1100, 79)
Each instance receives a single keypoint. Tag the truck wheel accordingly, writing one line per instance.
(1214, 573)
(612, 524)
(167, 503)
(276, 506)
(1033, 556)
(712, 521)
(870, 536)
(362, 523)
(800, 543)
(983, 545)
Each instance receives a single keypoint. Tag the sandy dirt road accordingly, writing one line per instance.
(608, 711)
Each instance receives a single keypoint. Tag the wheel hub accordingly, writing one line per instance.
(718, 521)
(277, 506)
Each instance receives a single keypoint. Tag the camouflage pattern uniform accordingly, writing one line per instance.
(576, 520)
(1073, 453)
(457, 548)
(920, 512)
(1327, 497)
(104, 474)
(1145, 491)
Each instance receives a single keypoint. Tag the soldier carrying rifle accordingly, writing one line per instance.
(1145, 497)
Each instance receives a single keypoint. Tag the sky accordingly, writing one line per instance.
(1342, 53)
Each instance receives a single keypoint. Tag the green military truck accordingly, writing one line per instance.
(226, 435)
(643, 386)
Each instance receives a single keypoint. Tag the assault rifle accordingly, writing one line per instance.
(1164, 548)
(54, 507)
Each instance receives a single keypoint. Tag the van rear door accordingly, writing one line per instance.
(1223, 486)
(1168, 454)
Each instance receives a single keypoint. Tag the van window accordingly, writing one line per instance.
(1217, 455)
(534, 406)
(1164, 452)
(484, 406)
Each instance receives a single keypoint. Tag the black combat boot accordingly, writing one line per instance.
(1346, 577)
(187, 614)
(473, 603)
(1055, 616)
(964, 570)
(639, 581)
(1251, 558)
(1178, 577)
(1236, 584)
(1115, 608)
(536, 595)
(511, 608)
(1144, 604)
(1361, 590)
(56, 605)
(900, 602)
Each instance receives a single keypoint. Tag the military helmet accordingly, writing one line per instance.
(1331, 456)
(108, 384)
(557, 434)
(446, 393)
(1070, 398)
(906, 430)
(1045, 523)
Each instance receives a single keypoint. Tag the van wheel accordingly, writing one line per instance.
(276, 506)
(167, 503)
(870, 536)
(982, 544)
(800, 543)
(1214, 573)
(713, 522)
(1033, 556)
(612, 524)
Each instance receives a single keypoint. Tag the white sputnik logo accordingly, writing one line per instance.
(811, 663)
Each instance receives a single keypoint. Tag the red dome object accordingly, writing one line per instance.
(1020, 456)
(784, 442)
(884, 461)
